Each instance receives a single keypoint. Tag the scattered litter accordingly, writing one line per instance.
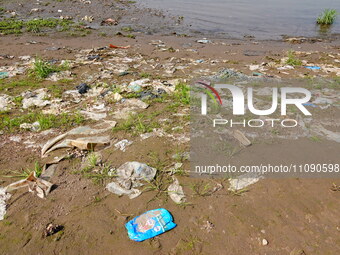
(88, 18)
(298, 40)
(264, 242)
(204, 41)
(60, 76)
(4, 75)
(15, 138)
(35, 98)
(257, 74)
(49, 171)
(109, 22)
(93, 57)
(4, 196)
(137, 85)
(181, 156)
(313, 67)
(36, 185)
(71, 96)
(175, 168)
(121, 145)
(33, 127)
(66, 17)
(5, 101)
(81, 130)
(123, 74)
(52, 142)
(83, 88)
(136, 103)
(51, 229)
(286, 67)
(119, 190)
(208, 226)
(241, 138)
(176, 192)
(124, 113)
(146, 135)
(326, 102)
(97, 129)
(94, 115)
(35, 10)
(88, 143)
(117, 97)
(310, 104)
(244, 181)
(136, 172)
(254, 67)
(330, 135)
(150, 224)
(25, 58)
(83, 143)
(129, 176)
(333, 188)
(119, 47)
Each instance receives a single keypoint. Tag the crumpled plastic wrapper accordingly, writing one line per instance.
(36, 185)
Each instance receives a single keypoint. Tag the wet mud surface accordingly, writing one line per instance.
(293, 215)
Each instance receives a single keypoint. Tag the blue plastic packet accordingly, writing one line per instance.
(313, 67)
(3, 75)
(150, 224)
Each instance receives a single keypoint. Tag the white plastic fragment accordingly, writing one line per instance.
(87, 130)
(4, 196)
(35, 98)
(5, 101)
(118, 190)
(94, 115)
(130, 176)
(121, 145)
(244, 181)
(286, 67)
(31, 126)
(36, 185)
(241, 138)
(136, 171)
(52, 142)
(203, 41)
(136, 103)
(176, 192)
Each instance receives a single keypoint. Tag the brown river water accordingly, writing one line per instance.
(264, 19)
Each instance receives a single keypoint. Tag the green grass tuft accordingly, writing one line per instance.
(11, 26)
(182, 93)
(292, 60)
(138, 124)
(14, 26)
(327, 17)
(46, 121)
(42, 69)
(23, 174)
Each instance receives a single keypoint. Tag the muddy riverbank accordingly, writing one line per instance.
(138, 89)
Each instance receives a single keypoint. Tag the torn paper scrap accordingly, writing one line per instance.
(36, 185)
